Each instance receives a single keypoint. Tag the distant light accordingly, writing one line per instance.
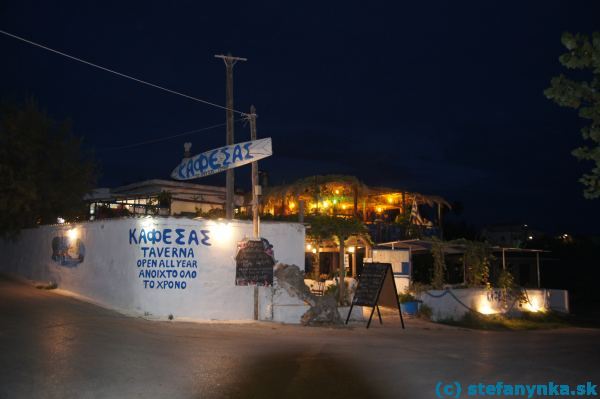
(60, 220)
(337, 192)
(351, 249)
(292, 205)
(379, 209)
(530, 237)
(325, 204)
(308, 247)
(344, 206)
(390, 199)
(314, 250)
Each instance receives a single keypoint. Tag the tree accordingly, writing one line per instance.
(476, 259)
(584, 55)
(340, 229)
(439, 263)
(43, 172)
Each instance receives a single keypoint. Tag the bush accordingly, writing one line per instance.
(406, 297)
(424, 312)
(334, 290)
(525, 321)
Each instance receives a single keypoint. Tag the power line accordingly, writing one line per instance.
(118, 73)
(141, 143)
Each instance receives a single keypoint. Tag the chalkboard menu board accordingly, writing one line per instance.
(370, 283)
(254, 263)
(376, 287)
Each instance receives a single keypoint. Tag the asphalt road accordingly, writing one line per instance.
(52, 346)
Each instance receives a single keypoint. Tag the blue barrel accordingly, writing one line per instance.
(410, 308)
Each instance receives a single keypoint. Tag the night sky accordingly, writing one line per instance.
(437, 97)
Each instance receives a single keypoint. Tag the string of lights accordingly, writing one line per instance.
(118, 73)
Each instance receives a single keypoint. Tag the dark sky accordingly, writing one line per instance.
(438, 97)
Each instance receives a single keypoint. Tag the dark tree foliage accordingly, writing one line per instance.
(43, 171)
(331, 227)
(583, 55)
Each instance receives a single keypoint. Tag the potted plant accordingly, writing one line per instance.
(408, 303)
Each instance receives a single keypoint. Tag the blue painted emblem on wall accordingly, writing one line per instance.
(67, 251)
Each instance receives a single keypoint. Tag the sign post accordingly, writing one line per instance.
(376, 287)
(254, 259)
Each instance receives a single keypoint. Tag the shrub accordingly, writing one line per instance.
(334, 290)
(406, 297)
(424, 312)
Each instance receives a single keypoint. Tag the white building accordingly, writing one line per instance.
(141, 198)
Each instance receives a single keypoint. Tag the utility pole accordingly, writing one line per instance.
(255, 187)
(255, 194)
(230, 61)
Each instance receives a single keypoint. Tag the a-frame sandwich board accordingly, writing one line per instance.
(376, 287)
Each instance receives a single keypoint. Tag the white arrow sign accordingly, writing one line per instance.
(221, 159)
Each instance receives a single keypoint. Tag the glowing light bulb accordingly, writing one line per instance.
(292, 205)
(314, 250)
(72, 234)
(221, 232)
(308, 247)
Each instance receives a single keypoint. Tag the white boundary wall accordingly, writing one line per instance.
(109, 273)
(452, 304)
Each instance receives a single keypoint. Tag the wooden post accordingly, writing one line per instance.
(318, 257)
(255, 186)
(355, 200)
(230, 61)
(301, 211)
(364, 210)
(342, 269)
(440, 223)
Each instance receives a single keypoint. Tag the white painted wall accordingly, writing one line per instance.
(395, 257)
(109, 273)
(452, 304)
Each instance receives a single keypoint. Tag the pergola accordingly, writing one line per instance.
(423, 246)
(343, 196)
